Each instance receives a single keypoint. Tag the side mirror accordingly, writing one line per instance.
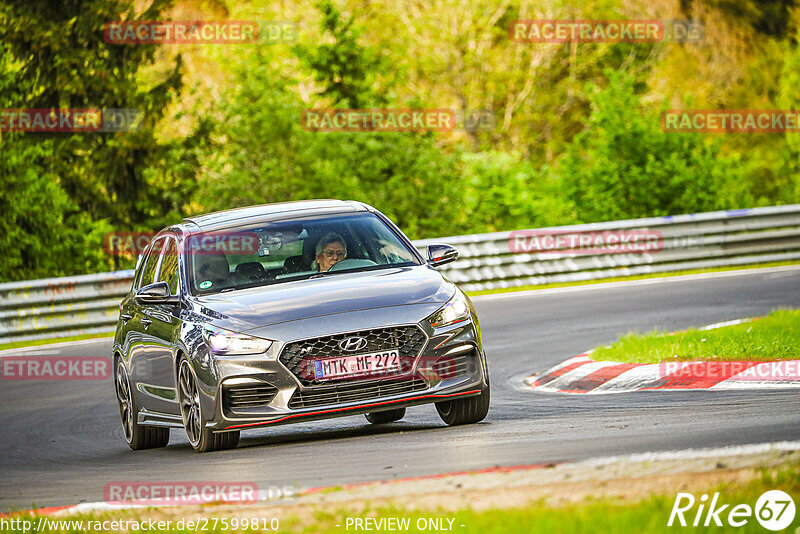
(441, 254)
(157, 293)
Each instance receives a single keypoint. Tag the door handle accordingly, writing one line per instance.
(126, 317)
(146, 322)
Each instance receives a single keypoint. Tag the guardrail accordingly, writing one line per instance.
(57, 307)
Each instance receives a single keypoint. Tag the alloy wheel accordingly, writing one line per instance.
(190, 403)
(125, 403)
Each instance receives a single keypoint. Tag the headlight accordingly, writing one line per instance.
(455, 311)
(225, 343)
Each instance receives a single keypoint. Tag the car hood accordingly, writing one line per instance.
(248, 309)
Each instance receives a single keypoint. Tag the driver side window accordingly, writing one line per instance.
(150, 264)
(169, 267)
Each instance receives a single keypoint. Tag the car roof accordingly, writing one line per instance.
(267, 212)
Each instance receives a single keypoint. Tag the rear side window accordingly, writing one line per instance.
(169, 267)
(150, 264)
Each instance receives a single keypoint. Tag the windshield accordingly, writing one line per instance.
(284, 251)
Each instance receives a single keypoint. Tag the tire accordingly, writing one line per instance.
(465, 411)
(389, 416)
(139, 437)
(200, 437)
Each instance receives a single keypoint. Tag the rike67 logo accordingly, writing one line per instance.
(774, 510)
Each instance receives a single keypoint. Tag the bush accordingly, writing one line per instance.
(262, 155)
(623, 166)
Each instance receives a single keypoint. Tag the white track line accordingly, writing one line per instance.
(46, 349)
(635, 283)
(689, 454)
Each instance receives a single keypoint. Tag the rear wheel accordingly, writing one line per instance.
(389, 416)
(138, 436)
(465, 411)
(201, 438)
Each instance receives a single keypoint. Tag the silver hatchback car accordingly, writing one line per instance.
(291, 312)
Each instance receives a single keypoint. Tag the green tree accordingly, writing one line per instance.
(503, 192)
(41, 229)
(54, 56)
(60, 48)
(346, 69)
(624, 166)
(262, 154)
(786, 185)
(42, 232)
(770, 17)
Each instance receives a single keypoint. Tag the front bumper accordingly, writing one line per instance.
(262, 391)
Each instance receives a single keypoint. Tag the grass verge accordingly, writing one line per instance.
(50, 341)
(629, 278)
(774, 337)
(642, 513)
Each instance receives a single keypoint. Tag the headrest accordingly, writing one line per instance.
(211, 265)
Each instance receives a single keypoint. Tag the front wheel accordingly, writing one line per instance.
(465, 411)
(201, 438)
(389, 416)
(138, 436)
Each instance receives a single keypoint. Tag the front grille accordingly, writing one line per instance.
(253, 395)
(299, 355)
(363, 391)
(453, 366)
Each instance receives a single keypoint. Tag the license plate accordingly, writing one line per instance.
(362, 364)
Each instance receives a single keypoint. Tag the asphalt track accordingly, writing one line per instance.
(61, 442)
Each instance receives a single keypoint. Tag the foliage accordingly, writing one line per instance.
(265, 152)
(41, 230)
(346, 69)
(42, 233)
(623, 166)
(785, 186)
(55, 56)
(577, 135)
(503, 192)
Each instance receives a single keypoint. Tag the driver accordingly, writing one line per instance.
(331, 249)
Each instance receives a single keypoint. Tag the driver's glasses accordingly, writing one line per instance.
(338, 254)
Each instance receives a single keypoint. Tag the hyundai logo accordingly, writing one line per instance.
(352, 344)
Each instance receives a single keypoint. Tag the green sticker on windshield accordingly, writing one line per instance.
(205, 285)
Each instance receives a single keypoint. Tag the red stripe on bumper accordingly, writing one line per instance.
(334, 410)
